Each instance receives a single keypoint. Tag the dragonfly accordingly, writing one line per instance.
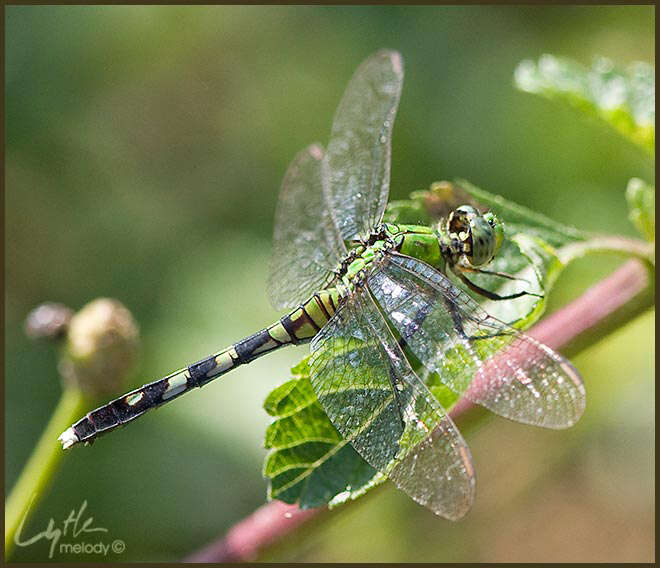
(369, 295)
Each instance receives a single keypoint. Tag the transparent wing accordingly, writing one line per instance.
(473, 353)
(357, 161)
(372, 396)
(306, 243)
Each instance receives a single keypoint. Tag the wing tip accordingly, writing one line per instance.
(315, 150)
(580, 400)
(457, 510)
(397, 62)
(395, 58)
(573, 374)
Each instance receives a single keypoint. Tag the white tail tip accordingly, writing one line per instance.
(68, 438)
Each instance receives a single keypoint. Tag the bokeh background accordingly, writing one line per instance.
(145, 148)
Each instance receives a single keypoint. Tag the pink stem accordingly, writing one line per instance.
(275, 520)
(246, 538)
(594, 306)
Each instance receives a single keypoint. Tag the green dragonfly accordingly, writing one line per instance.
(363, 292)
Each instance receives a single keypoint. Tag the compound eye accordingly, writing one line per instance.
(490, 217)
(498, 230)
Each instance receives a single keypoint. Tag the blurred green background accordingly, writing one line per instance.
(145, 148)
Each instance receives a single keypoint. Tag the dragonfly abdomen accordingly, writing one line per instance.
(299, 326)
(302, 324)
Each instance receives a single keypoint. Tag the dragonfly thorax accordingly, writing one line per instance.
(412, 240)
(466, 236)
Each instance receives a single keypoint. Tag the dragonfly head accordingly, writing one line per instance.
(481, 233)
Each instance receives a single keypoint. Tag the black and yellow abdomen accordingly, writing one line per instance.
(298, 326)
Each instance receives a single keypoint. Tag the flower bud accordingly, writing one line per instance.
(101, 347)
(48, 321)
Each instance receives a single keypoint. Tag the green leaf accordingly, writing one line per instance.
(641, 205)
(309, 462)
(544, 267)
(624, 99)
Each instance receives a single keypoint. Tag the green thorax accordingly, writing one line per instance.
(467, 237)
(412, 240)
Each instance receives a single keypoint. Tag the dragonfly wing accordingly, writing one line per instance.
(357, 161)
(372, 396)
(306, 243)
(473, 353)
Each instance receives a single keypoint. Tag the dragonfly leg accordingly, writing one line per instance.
(493, 273)
(492, 295)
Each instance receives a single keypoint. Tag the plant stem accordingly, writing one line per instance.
(602, 309)
(606, 306)
(245, 539)
(607, 245)
(42, 464)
